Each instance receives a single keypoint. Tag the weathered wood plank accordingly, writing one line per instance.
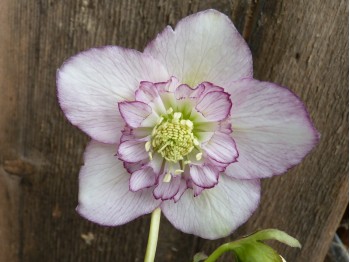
(10, 129)
(294, 43)
(310, 55)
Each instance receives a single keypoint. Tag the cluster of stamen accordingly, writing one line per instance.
(173, 137)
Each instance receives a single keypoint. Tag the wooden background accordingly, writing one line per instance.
(300, 44)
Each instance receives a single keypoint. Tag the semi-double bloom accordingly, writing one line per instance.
(182, 126)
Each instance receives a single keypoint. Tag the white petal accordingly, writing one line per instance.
(203, 47)
(104, 195)
(216, 212)
(271, 128)
(91, 84)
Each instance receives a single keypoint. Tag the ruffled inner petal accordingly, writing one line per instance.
(184, 91)
(222, 148)
(143, 178)
(134, 113)
(215, 106)
(132, 151)
(205, 176)
(167, 190)
(182, 188)
(148, 93)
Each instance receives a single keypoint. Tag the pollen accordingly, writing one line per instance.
(173, 138)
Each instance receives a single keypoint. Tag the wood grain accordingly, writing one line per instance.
(299, 44)
(10, 129)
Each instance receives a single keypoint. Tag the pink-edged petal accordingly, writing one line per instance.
(209, 87)
(197, 190)
(132, 151)
(221, 147)
(129, 133)
(184, 91)
(271, 128)
(132, 167)
(146, 92)
(225, 126)
(104, 195)
(134, 113)
(90, 85)
(216, 212)
(215, 106)
(182, 188)
(205, 176)
(142, 178)
(168, 86)
(156, 163)
(203, 47)
(167, 190)
(218, 165)
(205, 136)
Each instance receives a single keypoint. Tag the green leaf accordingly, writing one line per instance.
(252, 249)
(199, 257)
(275, 234)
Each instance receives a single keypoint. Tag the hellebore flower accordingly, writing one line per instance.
(182, 126)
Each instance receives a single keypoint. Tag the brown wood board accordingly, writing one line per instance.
(299, 44)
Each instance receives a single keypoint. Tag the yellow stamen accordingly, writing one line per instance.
(178, 171)
(167, 178)
(173, 139)
(170, 110)
(189, 123)
(148, 146)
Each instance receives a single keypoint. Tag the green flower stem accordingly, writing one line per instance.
(153, 236)
(220, 251)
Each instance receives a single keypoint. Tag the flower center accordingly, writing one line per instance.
(173, 137)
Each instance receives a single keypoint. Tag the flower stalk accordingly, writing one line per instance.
(153, 236)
